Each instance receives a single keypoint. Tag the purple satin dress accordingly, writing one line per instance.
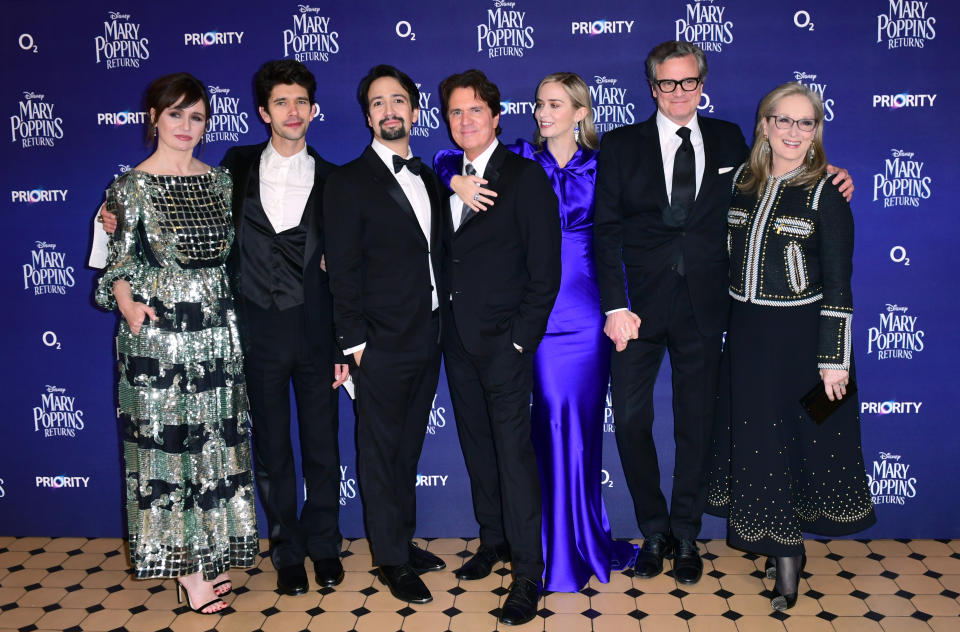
(570, 374)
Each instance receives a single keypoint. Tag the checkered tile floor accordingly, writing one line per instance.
(73, 584)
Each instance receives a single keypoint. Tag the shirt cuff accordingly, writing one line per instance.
(352, 350)
(619, 309)
(518, 347)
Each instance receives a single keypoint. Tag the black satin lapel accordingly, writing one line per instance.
(429, 181)
(382, 175)
(312, 214)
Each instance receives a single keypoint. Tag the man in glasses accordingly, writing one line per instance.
(663, 190)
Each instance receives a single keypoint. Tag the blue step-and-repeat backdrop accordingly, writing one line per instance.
(73, 75)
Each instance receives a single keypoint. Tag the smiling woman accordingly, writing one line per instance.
(182, 393)
(776, 473)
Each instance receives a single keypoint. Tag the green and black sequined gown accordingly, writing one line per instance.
(183, 399)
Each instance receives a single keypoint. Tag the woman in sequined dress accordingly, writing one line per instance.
(571, 365)
(183, 402)
(776, 473)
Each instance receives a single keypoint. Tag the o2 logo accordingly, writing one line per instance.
(49, 339)
(705, 102)
(801, 19)
(898, 254)
(405, 31)
(2, 492)
(26, 43)
(316, 115)
(605, 480)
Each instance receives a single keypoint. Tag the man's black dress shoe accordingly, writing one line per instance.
(423, 562)
(482, 562)
(521, 603)
(292, 580)
(650, 558)
(687, 565)
(329, 571)
(405, 584)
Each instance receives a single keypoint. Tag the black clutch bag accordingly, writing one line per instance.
(819, 406)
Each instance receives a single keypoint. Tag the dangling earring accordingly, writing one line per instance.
(765, 147)
(576, 134)
(810, 153)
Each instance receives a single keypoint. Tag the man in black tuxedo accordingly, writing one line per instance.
(285, 314)
(384, 248)
(503, 274)
(286, 319)
(663, 190)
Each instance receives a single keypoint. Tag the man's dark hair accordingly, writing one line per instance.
(671, 49)
(286, 72)
(486, 90)
(385, 70)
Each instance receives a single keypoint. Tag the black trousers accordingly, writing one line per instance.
(491, 403)
(277, 352)
(695, 365)
(395, 392)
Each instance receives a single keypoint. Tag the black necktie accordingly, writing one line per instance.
(466, 211)
(684, 181)
(413, 164)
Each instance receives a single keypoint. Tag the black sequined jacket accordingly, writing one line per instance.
(792, 246)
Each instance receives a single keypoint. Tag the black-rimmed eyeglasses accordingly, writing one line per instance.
(688, 84)
(785, 122)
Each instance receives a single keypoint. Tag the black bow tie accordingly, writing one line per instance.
(413, 164)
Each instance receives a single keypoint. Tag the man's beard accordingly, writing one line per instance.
(394, 134)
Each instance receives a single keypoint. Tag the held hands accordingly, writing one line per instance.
(621, 327)
(834, 383)
(843, 181)
(340, 374)
(470, 192)
(108, 219)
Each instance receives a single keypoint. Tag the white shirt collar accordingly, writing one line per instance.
(386, 154)
(668, 129)
(272, 158)
(480, 162)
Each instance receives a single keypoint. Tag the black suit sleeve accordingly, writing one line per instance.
(608, 226)
(538, 219)
(344, 228)
(230, 160)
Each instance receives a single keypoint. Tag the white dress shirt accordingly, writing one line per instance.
(416, 192)
(669, 144)
(285, 185)
(480, 164)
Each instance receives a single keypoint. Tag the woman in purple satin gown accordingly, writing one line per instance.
(571, 365)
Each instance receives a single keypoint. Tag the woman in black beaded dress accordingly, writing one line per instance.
(776, 473)
(190, 507)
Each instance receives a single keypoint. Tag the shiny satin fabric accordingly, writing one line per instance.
(571, 370)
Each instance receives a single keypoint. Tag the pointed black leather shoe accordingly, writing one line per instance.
(292, 580)
(650, 558)
(483, 561)
(521, 604)
(687, 565)
(422, 561)
(405, 584)
(328, 572)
